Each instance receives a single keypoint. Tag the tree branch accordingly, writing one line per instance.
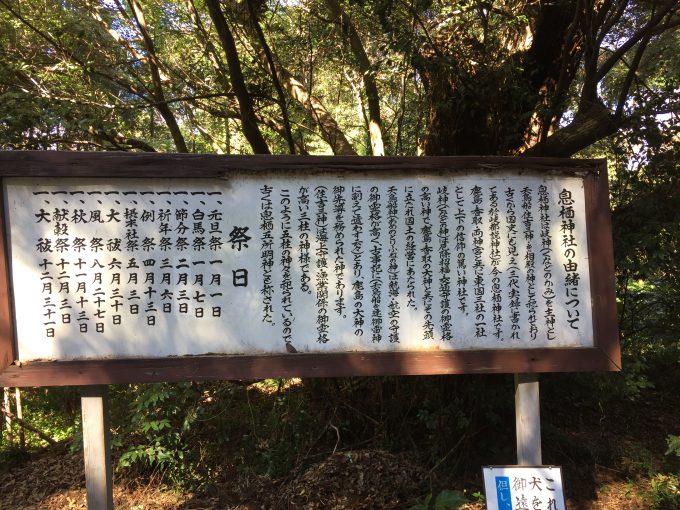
(371, 88)
(158, 94)
(158, 102)
(586, 128)
(646, 31)
(328, 127)
(125, 85)
(267, 121)
(288, 135)
(27, 426)
(213, 56)
(607, 24)
(330, 130)
(630, 76)
(116, 139)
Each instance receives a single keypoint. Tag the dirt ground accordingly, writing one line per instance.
(368, 479)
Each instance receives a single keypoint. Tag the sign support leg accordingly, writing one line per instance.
(97, 447)
(528, 420)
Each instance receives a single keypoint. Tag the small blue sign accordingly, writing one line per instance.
(503, 493)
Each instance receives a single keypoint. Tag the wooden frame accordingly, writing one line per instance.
(605, 356)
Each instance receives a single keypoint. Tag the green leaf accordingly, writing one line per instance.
(449, 500)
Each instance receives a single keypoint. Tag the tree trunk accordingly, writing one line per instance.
(468, 113)
(157, 93)
(370, 86)
(248, 119)
(330, 131)
(288, 134)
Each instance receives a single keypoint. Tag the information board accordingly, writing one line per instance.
(303, 260)
(523, 488)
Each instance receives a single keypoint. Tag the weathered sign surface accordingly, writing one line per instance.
(446, 258)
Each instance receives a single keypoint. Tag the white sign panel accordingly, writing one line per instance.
(249, 264)
(523, 488)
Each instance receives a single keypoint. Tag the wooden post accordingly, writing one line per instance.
(7, 420)
(97, 447)
(528, 420)
(20, 416)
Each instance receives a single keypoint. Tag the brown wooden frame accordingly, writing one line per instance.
(605, 356)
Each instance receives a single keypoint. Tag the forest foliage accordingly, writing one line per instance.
(396, 77)
(593, 78)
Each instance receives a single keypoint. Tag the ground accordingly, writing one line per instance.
(612, 458)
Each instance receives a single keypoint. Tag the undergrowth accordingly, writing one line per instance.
(198, 435)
